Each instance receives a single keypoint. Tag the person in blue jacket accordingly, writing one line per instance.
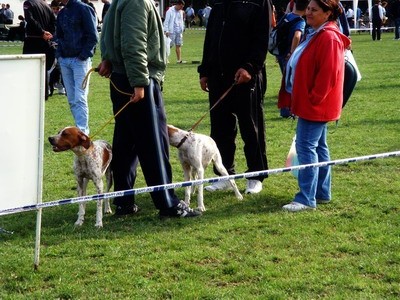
(77, 37)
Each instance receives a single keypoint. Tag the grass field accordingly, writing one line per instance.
(349, 249)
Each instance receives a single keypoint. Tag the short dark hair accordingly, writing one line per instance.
(301, 4)
(332, 6)
(180, 2)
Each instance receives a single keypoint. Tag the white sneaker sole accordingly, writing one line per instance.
(212, 188)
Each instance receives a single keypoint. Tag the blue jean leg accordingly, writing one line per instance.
(312, 148)
(74, 71)
(324, 173)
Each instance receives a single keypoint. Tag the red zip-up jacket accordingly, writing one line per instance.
(317, 92)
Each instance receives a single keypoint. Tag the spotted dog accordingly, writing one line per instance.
(92, 162)
(196, 151)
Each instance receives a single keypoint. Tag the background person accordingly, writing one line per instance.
(174, 25)
(206, 14)
(76, 43)
(8, 15)
(40, 28)
(235, 47)
(106, 7)
(296, 32)
(314, 77)
(377, 14)
(17, 32)
(189, 16)
(394, 13)
(133, 56)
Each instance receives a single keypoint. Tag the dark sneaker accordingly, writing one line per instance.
(182, 210)
(126, 210)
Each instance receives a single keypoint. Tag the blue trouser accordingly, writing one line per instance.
(74, 71)
(140, 135)
(311, 147)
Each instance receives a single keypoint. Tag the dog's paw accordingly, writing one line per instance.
(239, 196)
(99, 225)
(79, 222)
(201, 208)
(108, 211)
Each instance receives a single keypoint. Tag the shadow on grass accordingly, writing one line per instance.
(58, 222)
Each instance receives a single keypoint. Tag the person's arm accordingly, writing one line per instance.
(166, 22)
(295, 41)
(259, 42)
(134, 42)
(36, 29)
(90, 32)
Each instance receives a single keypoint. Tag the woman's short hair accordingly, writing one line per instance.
(332, 6)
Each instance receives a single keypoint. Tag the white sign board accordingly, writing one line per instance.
(21, 129)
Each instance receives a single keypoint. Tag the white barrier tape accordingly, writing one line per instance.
(157, 188)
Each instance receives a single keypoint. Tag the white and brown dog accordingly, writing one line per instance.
(196, 152)
(92, 162)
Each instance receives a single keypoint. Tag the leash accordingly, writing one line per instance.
(202, 117)
(84, 84)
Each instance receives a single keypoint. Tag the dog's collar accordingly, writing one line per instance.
(183, 140)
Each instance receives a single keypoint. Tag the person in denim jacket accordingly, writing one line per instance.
(77, 37)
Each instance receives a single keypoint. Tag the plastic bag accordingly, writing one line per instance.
(167, 45)
(292, 159)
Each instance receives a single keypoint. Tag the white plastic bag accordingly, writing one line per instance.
(348, 55)
(292, 159)
(167, 45)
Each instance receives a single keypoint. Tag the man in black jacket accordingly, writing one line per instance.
(235, 48)
(40, 27)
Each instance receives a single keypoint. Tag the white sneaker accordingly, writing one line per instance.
(61, 91)
(253, 186)
(219, 186)
(296, 206)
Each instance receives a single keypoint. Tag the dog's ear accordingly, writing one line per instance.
(85, 140)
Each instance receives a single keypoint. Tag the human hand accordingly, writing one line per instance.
(242, 76)
(203, 83)
(104, 68)
(47, 36)
(138, 94)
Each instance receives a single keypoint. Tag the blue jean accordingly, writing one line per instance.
(73, 72)
(397, 28)
(311, 147)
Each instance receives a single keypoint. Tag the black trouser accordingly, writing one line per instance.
(376, 29)
(242, 106)
(140, 135)
(34, 45)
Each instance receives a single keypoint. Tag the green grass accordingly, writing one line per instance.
(349, 249)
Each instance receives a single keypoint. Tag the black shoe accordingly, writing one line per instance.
(182, 210)
(126, 210)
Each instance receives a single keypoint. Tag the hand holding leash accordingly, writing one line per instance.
(242, 76)
(104, 68)
(137, 95)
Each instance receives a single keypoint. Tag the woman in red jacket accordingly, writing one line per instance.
(314, 77)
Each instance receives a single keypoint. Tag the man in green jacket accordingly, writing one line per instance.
(133, 57)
